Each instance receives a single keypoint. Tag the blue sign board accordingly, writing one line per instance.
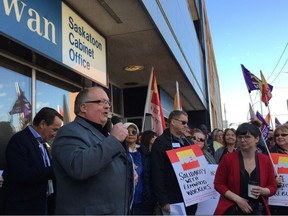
(35, 23)
(51, 28)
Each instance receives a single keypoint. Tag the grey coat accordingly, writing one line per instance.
(93, 173)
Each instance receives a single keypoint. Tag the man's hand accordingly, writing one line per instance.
(166, 208)
(119, 131)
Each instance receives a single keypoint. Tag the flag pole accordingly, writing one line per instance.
(270, 114)
(143, 122)
(268, 152)
(177, 96)
(251, 101)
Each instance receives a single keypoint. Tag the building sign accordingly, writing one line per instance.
(83, 48)
(54, 30)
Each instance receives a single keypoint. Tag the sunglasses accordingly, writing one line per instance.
(182, 122)
(132, 132)
(283, 135)
(198, 139)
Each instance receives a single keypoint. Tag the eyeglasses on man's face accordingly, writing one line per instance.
(282, 134)
(100, 102)
(182, 122)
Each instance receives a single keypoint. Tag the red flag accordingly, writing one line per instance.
(265, 90)
(177, 99)
(268, 118)
(153, 105)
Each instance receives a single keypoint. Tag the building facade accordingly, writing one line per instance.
(50, 50)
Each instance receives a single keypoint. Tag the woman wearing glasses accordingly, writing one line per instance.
(143, 202)
(281, 146)
(239, 169)
(199, 138)
(229, 144)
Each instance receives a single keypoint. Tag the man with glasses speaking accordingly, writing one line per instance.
(164, 180)
(94, 176)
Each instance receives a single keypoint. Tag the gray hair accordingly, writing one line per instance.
(176, 115)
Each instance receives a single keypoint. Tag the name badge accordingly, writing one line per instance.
(176, 145)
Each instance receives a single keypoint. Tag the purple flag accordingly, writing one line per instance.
(277, 122)
(264, 127)
(252, 82)
(22, 105)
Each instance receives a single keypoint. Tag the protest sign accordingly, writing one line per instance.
(208, 206)
(193, 175)
(281, 165)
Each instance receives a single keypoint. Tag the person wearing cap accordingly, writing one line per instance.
(143, 202)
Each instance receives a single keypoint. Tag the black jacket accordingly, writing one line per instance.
(148, 198)
(26, 177)
(164, 181)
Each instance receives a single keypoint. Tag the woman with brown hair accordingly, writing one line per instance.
(229, 144)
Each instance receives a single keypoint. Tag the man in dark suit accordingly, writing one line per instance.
(28, 174)
(93, 173)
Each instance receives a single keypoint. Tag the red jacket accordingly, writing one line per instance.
(228, 178)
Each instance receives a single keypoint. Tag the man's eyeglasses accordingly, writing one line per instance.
(283, 135)
(101, 102)
(198, 139)
(132, 132)
(182, 122)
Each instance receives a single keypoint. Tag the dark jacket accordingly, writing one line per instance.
(164, 180)
(26, 177)
(148, 198)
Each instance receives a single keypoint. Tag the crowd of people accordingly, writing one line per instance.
(94, 168)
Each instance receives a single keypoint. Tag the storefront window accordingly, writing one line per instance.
(51, 96)
(15, 106)
(15, 103)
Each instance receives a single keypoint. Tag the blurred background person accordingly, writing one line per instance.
(199, 138)
(205, 130)
(270, 139)
(142, 203)
(261, 145)
(217, 140)
(239, 168)
(229, 144)
(147, 139)
(281, 147)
